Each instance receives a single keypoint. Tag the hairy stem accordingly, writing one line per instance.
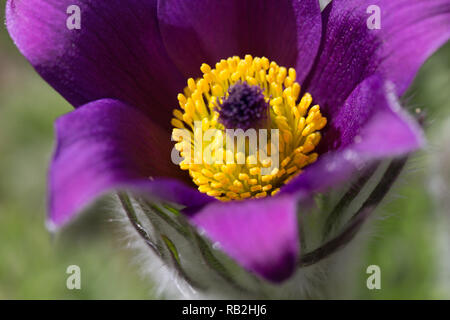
(131, 214)
(357, 220)
(335, 216)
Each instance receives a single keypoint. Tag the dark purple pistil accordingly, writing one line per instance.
(244, 108)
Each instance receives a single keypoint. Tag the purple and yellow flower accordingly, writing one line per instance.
(138, 71)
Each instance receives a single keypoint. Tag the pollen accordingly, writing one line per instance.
(245, 94)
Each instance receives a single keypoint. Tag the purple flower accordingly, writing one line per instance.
(123, 69)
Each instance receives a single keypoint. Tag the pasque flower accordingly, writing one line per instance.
(138, 70)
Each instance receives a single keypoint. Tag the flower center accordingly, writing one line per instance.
(244, 107)
(245, 94)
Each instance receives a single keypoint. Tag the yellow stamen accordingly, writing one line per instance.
(299, 127)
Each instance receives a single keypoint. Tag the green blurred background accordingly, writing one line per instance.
(409, 241)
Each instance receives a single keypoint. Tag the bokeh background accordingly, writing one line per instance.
(410, 241)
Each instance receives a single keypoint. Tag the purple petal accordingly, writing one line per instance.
(371, 125)
(118, 52)
(261, 235)
(106, 145)
(207, 30)
(411, 30)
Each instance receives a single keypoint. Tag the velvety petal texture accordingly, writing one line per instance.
(410, 31)
(262, 235)
(195, 32)
(106, 145)
(370, 125)
(117, 52)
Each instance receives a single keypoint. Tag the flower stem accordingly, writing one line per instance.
(131, 214)
(336, 215)
(357, 220)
